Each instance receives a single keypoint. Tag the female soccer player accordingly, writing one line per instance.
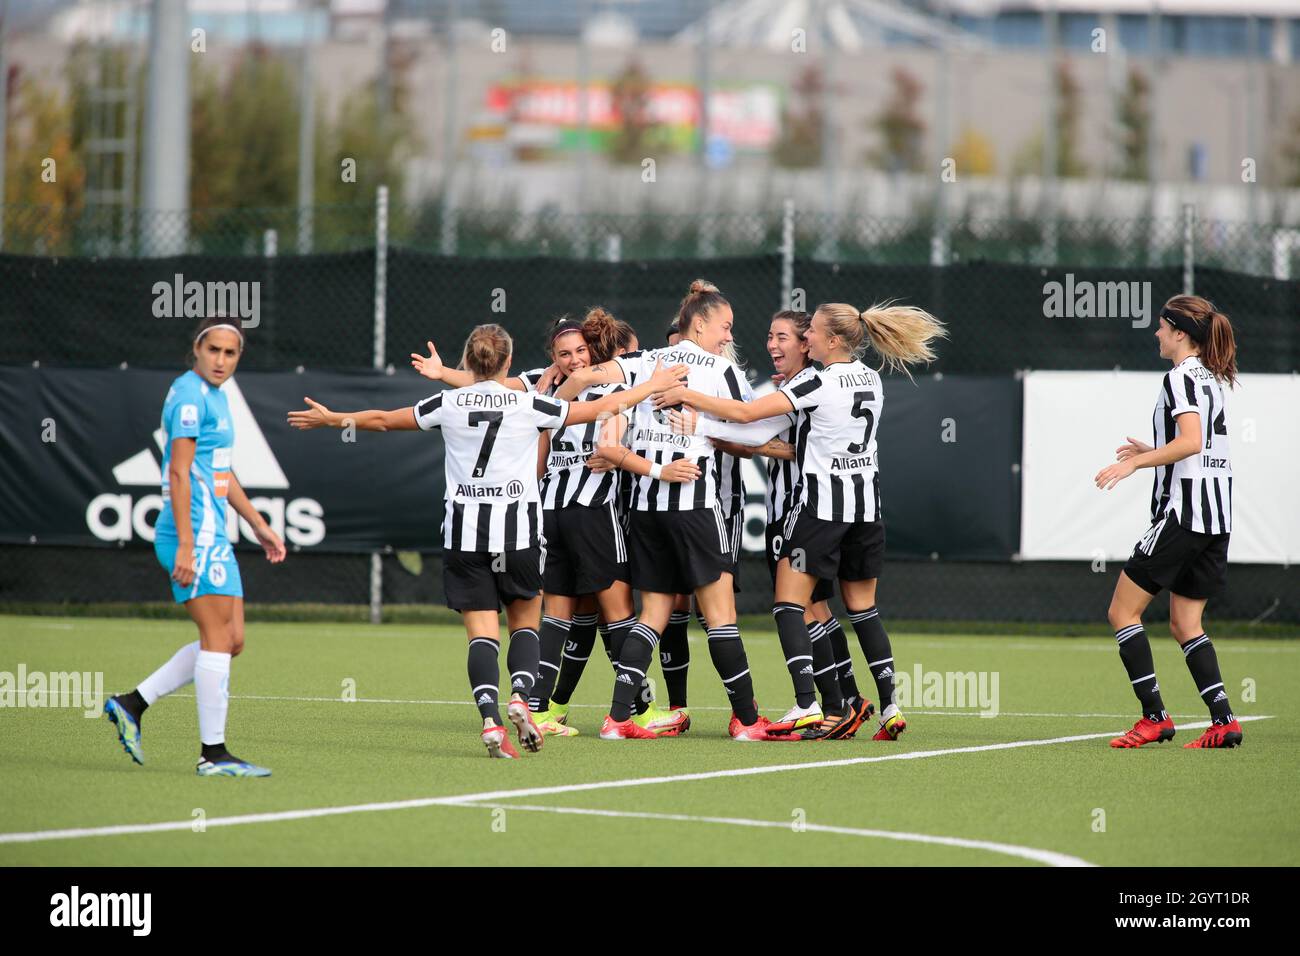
(562, 456)
(775, 438)
(190, 543)
(677, 540)
(1186, 547)
(584, 530)
(491, 532)
(835, 528)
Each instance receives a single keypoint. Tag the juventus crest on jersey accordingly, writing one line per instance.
(835, 441)
(493, 502)
(568, 480)
(653, 437)
(1198, 489)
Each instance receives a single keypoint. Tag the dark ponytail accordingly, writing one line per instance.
(1217, 345)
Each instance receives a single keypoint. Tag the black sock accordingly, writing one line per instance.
(875, 646)
(843, 659)
(555, 631)
(1204, 665)
(828, 682)
(133, 704)
(215, 752)
(577, 649)
(1135, 652)
(484, 677)
(796, 648)
(522, 659)
(728, 654)
(637, 651)
(675, 657)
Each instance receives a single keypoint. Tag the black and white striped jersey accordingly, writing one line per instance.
(1197, 489)
(493, 502)
(731, 486)
(654, 439)
(568, 480)
(835, 442)
(532, 377)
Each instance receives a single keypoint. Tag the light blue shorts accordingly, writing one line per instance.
(215, 569)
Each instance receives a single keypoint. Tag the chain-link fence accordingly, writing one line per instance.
(1260, 248)
(344, 306)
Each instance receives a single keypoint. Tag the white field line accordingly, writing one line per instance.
(470, 703)
(493, 795)
(1048, 857)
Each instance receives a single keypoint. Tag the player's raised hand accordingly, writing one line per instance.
(429, 366)
(683, 420)
(317, 416)
(1130, 448)
(1112, 475)
(667, 378)
(548, 379)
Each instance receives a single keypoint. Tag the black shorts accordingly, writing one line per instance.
(585, 549)
(735, 534)
(1188, 563)
(824, 589)
(675, 552)
(483, 580)
(844, 550)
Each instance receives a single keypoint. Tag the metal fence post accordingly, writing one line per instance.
(381, 319)
(1189, 248)
(787, 255)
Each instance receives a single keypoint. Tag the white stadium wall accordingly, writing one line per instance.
(1074, 421)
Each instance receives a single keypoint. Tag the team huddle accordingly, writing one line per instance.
(615, 473)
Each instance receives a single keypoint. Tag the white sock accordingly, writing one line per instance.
(172, 676)
(212, 688)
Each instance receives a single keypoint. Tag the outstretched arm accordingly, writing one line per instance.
(663, 378)
(431, 367)
(1187, 443)
(770, 405)
(371, 420)
(605, 373)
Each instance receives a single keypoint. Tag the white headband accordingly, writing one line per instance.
(223, 325)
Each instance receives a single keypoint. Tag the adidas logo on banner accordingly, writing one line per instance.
(114, 516)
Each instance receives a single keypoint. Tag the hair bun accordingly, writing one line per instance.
(701, 286)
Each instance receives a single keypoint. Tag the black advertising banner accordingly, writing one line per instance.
(80, 455)
(82, 452)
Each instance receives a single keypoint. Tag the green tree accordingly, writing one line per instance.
(1069, 111)
(899, 126)
(636, 134)
(800, 144)
(1133, 111)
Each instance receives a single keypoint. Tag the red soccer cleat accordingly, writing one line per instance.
(1217, 735)
(760, 729)
(892, 723)
(624, 730)
(1146, 731)
(497, 740)
(530, 735)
